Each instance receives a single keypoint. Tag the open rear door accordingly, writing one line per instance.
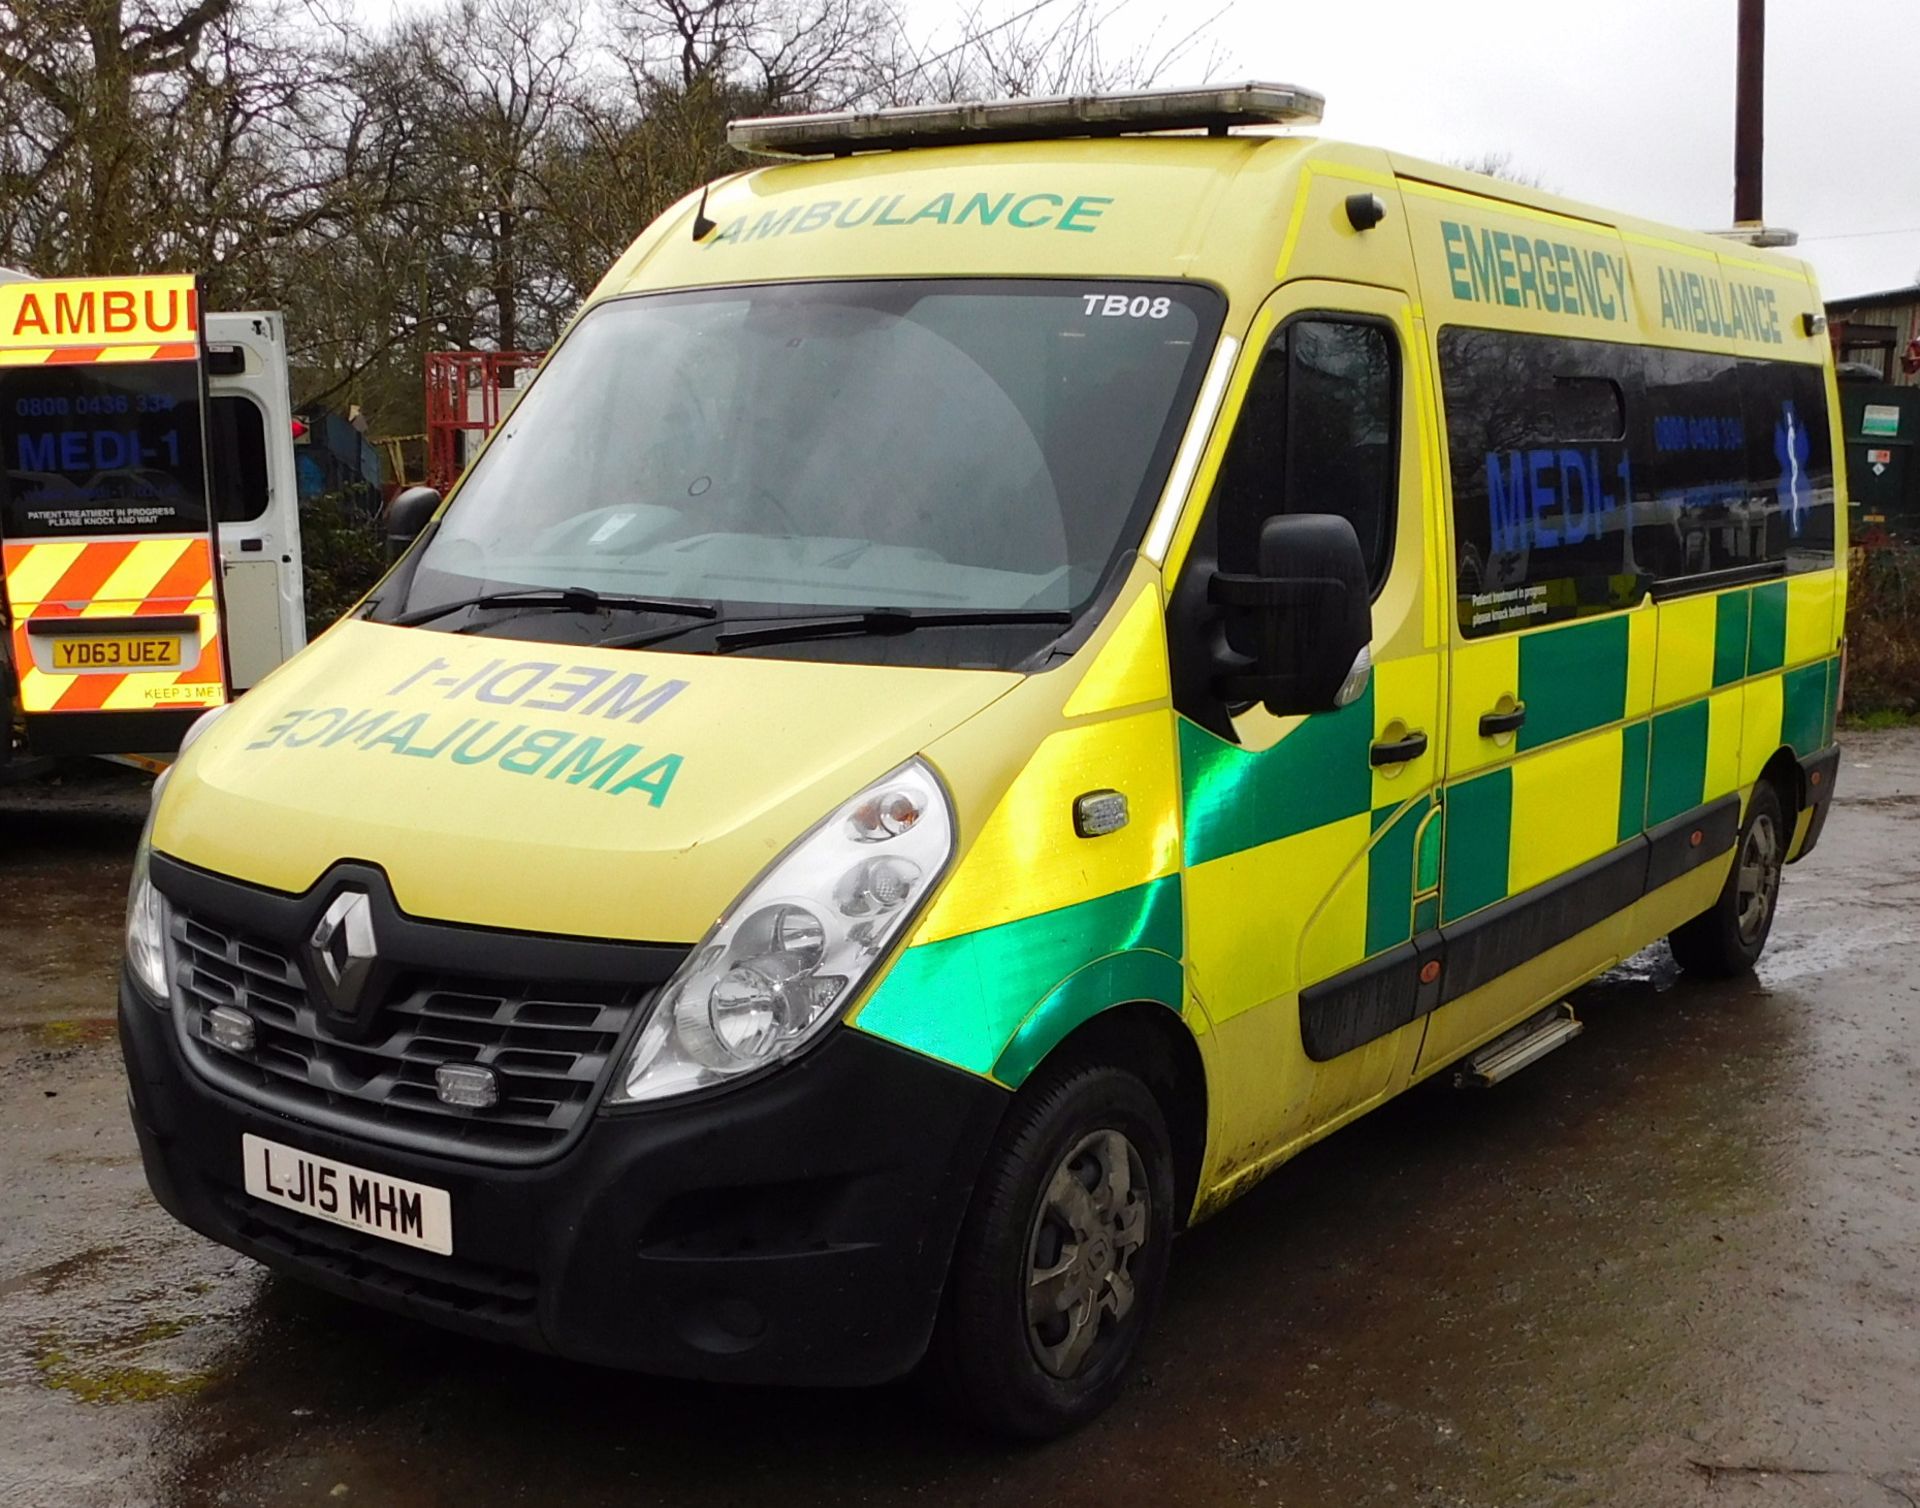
(105, 534)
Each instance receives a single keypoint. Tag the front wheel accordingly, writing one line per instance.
(1726, 939)
(1063, 1256)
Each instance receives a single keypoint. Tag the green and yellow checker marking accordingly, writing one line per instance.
(1702, 690)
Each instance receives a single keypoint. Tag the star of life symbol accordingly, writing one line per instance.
(1791, 449)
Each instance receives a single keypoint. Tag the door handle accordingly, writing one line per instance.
(1493, 724)
(1398, 750)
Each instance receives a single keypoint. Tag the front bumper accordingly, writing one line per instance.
(796, 1230)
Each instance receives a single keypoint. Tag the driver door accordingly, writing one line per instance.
(1312, 842)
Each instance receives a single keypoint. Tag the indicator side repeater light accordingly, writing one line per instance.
(1098, 813)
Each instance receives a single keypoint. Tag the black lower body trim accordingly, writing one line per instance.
(1817, 774)
(1689, 840)
(1381, 996)
(158, 732)
(1386, 992)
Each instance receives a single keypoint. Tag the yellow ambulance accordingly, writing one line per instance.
(1006, 676)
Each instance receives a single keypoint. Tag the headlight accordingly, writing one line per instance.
(146, 913)
(787, 956)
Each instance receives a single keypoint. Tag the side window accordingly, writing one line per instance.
(1537, 445)
(1318, 433)
(1692, 514)
(112, 449)
(238, 433)
(1790, 450)
(1736, 468)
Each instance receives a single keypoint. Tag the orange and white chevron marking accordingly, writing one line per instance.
(30, 356)
(153, 576)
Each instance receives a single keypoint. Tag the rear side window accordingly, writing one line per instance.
(1790, 458)
(238, 433)
(1586, 473)
(1316, 434)
(1736, 468)
(1537, 442)
(110, 449)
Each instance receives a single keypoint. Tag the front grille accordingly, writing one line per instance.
(552, 1047)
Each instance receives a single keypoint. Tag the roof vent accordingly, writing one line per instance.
(1214, 108)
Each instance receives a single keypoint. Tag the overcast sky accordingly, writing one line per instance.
(1627, 104)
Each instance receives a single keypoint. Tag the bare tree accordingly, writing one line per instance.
(83, 84)
(1054, 47)
(459, 179)
(1498, 165)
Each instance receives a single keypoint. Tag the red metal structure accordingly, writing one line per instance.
(464, 404)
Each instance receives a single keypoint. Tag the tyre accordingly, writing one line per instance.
(1727, 938)
(1062, 1257)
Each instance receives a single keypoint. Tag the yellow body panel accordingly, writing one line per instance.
(1812, 613)
(1484, 674)
(1030, 834)
(1748, 718)
(1683, 670)
(1552, 834)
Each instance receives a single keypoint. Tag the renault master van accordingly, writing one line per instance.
(1006, 676)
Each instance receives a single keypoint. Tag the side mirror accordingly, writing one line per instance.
(410, 511)
(1295, 636)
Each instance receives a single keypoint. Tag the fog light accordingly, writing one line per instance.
(467, 1085)
(231, 1028)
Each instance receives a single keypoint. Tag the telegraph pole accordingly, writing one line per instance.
(1749, 113)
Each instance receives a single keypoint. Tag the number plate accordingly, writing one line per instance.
(413, 1214)
(101, 652)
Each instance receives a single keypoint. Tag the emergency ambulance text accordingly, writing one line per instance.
(1532, 272)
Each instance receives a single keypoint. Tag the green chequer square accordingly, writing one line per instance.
(1390, 877)
(1730, 637)
(1677, 777)
(1479, 818)
(1803, 708)
(1237, 799)
(1767, 637)
(1633, 779)
(1833, 701)
(1573, 678)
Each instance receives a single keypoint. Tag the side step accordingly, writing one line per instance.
(1512, 1051)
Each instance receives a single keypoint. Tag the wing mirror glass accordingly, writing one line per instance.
(1294, 636)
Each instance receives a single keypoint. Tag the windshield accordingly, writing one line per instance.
(960, 446)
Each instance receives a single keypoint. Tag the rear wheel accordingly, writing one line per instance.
(1063, 1257)
(1727, 938)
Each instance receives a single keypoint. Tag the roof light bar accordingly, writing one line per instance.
(1213, 108)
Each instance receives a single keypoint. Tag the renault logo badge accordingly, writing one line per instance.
(342, 955)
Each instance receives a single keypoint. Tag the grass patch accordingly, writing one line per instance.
(1884, 717)
(96, 1382)
(74, 1033)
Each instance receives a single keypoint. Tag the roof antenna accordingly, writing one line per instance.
(702, 226)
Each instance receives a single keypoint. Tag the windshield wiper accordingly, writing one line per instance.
(880, 621)
(571, 599)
